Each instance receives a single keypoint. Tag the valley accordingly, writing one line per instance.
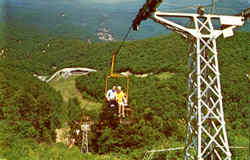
(55, 57)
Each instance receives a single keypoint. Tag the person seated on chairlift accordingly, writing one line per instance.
(121, 100)
(111, 97)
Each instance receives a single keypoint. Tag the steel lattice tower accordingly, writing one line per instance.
(85, 128)
(206, 136)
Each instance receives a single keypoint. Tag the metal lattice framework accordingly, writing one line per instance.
(206, 129)
(206, 136)
(85, 128)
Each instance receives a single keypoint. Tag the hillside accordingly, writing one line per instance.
(84, 19)
(158, 102)
(46, 55)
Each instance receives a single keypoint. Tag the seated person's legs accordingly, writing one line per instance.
(121, 109)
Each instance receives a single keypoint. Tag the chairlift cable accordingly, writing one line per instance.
(123, 41)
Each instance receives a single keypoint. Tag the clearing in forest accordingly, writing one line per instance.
(68, 90)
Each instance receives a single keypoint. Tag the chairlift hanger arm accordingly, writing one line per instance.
(112, 64)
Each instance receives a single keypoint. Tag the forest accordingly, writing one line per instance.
(31, 110)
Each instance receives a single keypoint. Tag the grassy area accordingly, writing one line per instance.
(68, 90)
(165, 75)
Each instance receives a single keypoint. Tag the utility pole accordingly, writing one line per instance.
(206, 136)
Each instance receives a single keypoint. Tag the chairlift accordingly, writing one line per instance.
(125, 84)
